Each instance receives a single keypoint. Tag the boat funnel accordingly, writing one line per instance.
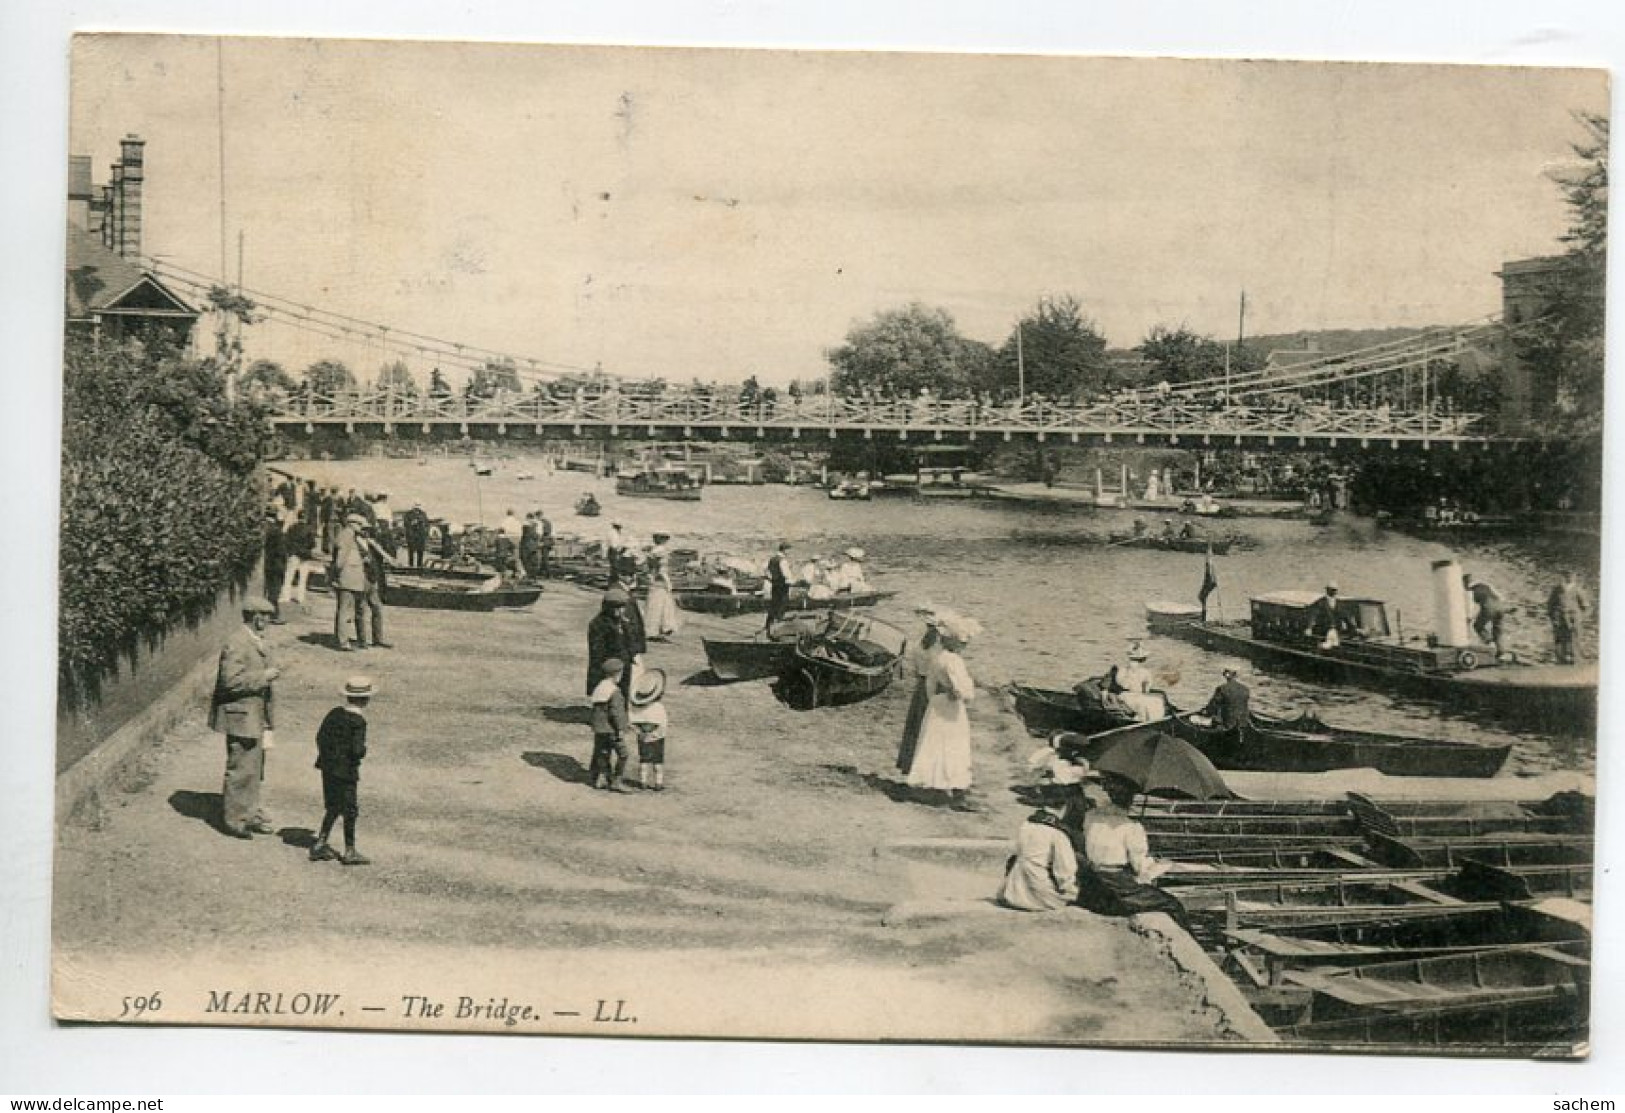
(1449, 605)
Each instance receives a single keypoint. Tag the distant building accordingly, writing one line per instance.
(1528, 287)
(110, 294)
(1283, 359)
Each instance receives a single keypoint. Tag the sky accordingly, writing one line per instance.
(722, 213)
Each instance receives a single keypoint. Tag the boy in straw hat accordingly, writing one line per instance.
(648, 718)
(341, 743)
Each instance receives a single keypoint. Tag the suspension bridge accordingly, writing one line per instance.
(1385, 396)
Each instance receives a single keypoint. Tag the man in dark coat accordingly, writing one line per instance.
(241, 710)
(417, 535)
(779, 577)
(376, 565)
(1231, 704)
(545, 529)
(530, 550)
(1327, 621)
(616, 631)
(275, 549)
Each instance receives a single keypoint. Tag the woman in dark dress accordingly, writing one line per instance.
(920, 655)
(1115, 869)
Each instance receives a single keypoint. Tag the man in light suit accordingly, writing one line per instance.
(241, 710)
(347, 576)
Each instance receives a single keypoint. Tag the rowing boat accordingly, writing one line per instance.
(851, 658)
(728, 604)
(1305, 744)
(762, 655)
(1486, 977)
(1044, 711)
(453, 591)
(1512, 849)
(1219, 546)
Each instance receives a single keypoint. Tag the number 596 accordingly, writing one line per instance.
(140, 1006)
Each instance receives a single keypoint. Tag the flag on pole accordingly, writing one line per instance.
(1210, 582)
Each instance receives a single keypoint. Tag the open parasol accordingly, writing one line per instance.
(1158, 764)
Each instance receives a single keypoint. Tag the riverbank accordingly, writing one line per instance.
(749, 899)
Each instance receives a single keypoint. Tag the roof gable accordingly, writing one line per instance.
(101, 281)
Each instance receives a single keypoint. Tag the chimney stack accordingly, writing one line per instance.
(80, 193)
(104, 223)
(115, 234)
(132, 161)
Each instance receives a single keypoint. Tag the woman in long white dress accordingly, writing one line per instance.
(942, 759)
(661, 618)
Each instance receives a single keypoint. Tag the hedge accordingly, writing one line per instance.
(161, 502)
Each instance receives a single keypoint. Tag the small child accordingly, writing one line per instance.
(341, 743)
(648, 715)
(608, 721)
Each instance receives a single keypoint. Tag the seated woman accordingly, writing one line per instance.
(1042, 874)
(1115, 877)
(1103, 692)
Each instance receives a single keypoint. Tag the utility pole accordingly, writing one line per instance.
(220, 136)
(1021, 368)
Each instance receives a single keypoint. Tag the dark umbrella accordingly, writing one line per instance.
(1160, 764)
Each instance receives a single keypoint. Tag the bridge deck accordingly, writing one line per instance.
(1160, 421)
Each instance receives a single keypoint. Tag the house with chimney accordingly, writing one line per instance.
(111, 294)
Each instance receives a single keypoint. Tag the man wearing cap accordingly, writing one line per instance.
(609, 722)
(614, 634)
(241, 710)
(1231, 704)
(1327, 620)
(347, 576)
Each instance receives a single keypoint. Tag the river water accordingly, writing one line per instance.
(1056, 605)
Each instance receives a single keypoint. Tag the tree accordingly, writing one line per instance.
(231, 307)
(750, 392)
(1565, 345)
(439, 388)
(396, 376)
(1178, 355)
(494, 375)
(161, 502)
(902, 351)
(329, 376)
(1059, 353)
(267, 379)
